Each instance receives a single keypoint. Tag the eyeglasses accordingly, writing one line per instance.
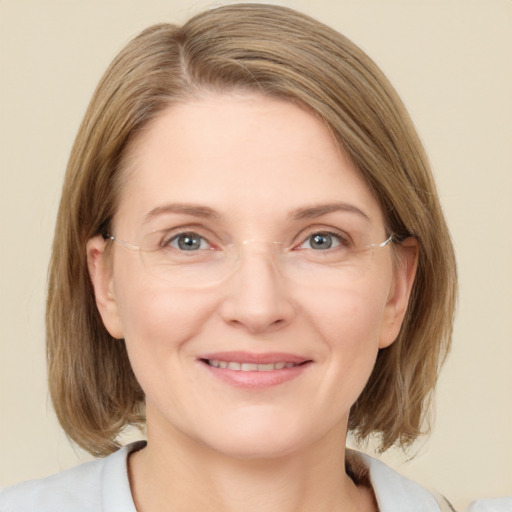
(189, 259)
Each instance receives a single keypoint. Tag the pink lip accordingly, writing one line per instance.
(256, 380)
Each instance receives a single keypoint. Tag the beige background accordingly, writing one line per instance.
(451, 62)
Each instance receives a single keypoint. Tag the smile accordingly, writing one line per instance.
(252, 371)
(249, 367)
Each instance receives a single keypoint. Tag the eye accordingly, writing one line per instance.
(189, 241)
(322, 241)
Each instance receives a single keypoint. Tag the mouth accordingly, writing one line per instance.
(255, 371)
(251, 367)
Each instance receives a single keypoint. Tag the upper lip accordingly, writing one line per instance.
(251, 357)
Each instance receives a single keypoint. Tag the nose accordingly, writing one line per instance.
(257, 296)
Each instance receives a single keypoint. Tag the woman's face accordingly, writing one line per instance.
(249, 347)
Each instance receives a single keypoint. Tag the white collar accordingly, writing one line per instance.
(394, 492)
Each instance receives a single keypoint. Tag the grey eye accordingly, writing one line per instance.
(188, 242)
(321, 241)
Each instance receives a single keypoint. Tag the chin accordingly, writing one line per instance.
(261, 439)
(258, 449)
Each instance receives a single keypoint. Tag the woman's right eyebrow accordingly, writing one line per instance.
(195, 210)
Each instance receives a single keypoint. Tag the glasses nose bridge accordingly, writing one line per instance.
(259, 247)
(256, 250)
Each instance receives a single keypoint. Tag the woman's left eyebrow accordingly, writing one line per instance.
(308, 212)
(181, 208)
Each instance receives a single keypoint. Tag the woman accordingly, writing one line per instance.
(250, 259)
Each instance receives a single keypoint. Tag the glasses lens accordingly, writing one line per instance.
(323, 259)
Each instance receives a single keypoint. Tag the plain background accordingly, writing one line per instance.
(450, 61)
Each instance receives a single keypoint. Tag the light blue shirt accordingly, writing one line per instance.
(103, 486)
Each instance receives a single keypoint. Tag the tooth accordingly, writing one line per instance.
(266, 367)
(248, 367)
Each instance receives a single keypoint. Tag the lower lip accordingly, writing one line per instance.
(257, 380)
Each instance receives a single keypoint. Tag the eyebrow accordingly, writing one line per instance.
(205, 212)
(309, 212)
(184, 208)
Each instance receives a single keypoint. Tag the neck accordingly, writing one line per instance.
(183, 474)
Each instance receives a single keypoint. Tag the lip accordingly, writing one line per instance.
(256, 380)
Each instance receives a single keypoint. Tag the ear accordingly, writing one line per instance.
(398, 299)
(100, 272)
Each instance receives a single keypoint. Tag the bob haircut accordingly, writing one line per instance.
(276, 52)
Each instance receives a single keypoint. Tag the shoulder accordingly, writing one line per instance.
(396, 493)
(78, 487)
(81, 489)
(492, 505)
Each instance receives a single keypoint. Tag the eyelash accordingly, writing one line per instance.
(342, 239)
(191, 234)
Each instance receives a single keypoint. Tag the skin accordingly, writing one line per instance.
(213, 445)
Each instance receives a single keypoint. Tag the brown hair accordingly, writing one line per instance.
(278, 52)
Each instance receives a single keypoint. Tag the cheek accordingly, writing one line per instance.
(354, 333)
(355, 312)
(348, 324)
(159, 317)
(158, 325)
(156, 319)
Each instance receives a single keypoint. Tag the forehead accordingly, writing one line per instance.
(241, 155)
